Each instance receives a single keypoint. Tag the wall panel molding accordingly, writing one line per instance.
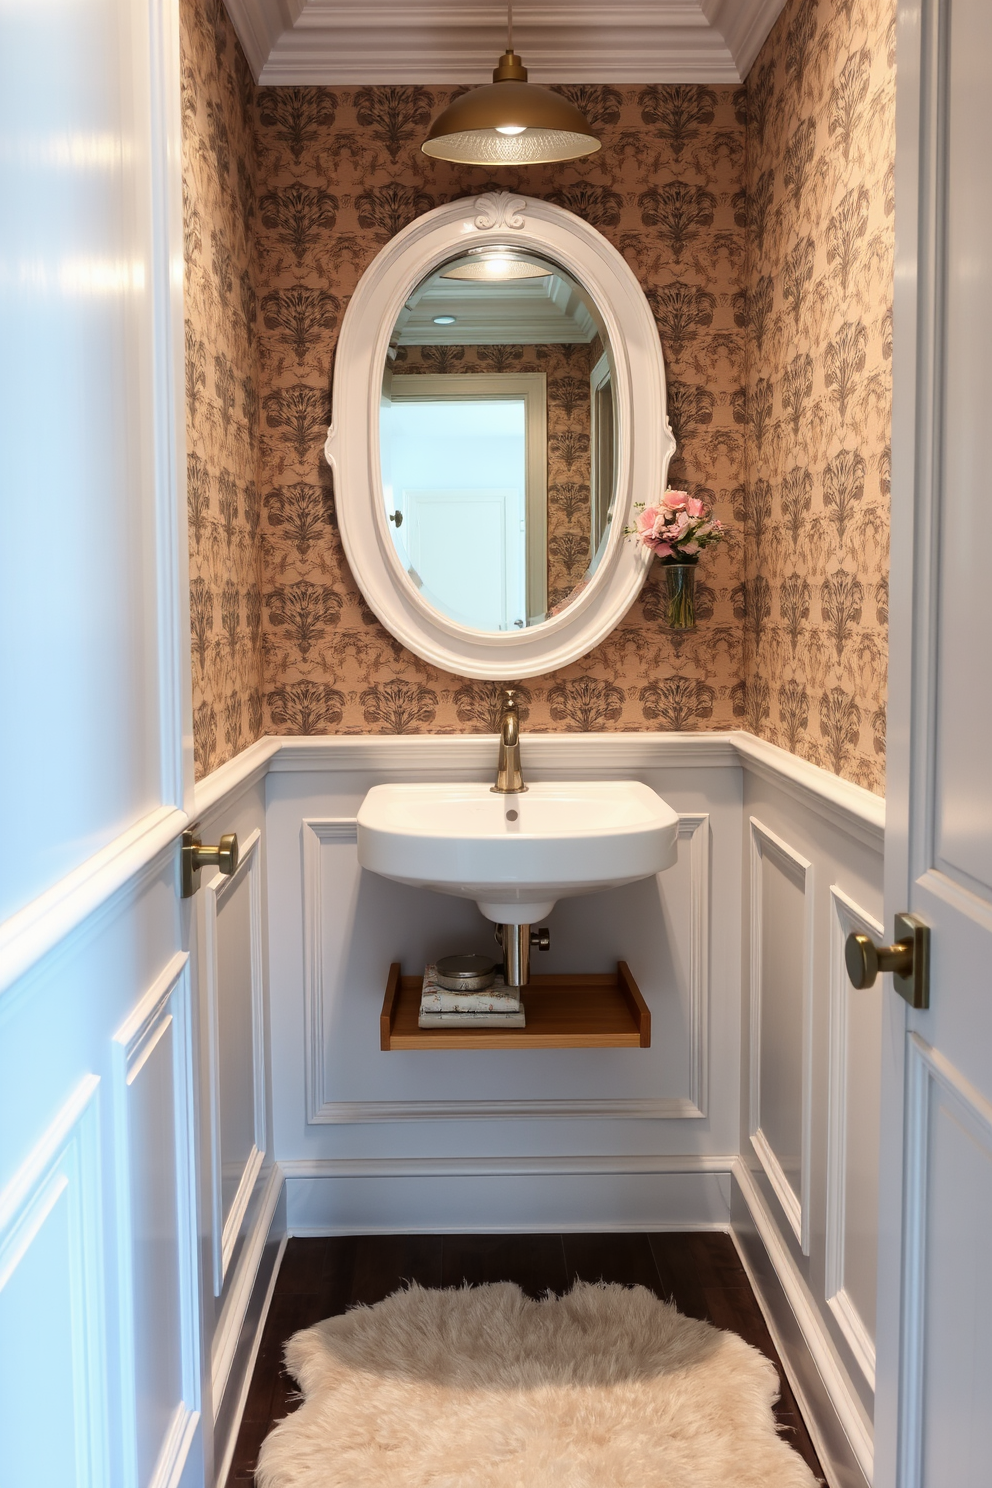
(164, 1012)
(214, 893)
(766, 844)
(64, 1169)
(321, 1110)
(850, 1414)
(847, 917)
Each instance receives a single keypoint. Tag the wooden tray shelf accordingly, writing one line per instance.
(603, 1010)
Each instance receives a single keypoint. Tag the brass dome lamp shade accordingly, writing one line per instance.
(510, 122)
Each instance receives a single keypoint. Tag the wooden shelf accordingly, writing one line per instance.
(603, 1010)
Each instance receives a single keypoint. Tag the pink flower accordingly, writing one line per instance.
(663, 549)
(675, 500)
(695, 507)
(689, 548)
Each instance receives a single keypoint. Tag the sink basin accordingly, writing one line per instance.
(516, 855)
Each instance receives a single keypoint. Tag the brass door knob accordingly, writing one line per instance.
(908, 959)
(865, 959)
(196, 857)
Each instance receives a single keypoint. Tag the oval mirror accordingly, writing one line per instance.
(498, 407)
(497, 437)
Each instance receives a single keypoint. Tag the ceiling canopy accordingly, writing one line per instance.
(357, 42)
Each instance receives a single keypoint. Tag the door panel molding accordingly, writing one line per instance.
(928, 1072)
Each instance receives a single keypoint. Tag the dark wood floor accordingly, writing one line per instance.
(700, 1273)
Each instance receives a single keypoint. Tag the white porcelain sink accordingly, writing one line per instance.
(515, 855)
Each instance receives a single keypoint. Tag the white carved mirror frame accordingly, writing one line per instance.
(644, 438)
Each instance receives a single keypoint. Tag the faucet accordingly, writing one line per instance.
(509, 778)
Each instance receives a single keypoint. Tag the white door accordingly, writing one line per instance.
(100, 1368)
(934, 1395)
(468, 549)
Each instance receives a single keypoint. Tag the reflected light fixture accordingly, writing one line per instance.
(510, 121)
(494, 265)
(444, 319)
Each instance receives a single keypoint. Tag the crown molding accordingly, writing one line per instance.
(344, 43)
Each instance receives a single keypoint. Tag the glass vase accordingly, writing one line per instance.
(680, 579)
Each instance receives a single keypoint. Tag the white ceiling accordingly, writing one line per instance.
(352, 42)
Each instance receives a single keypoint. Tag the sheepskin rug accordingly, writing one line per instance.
(484, 1388)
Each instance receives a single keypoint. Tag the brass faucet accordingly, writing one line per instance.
(509, 777)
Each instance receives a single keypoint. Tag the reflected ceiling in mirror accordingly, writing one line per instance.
(497, 438)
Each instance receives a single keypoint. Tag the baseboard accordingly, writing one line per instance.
(239, 1334)
(826, 1398)
(511, 1195)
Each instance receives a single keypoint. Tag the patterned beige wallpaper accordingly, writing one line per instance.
(343, 172)
(758, 215)
(819, 347)
(222, 386)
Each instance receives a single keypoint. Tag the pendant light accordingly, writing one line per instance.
(510, 122)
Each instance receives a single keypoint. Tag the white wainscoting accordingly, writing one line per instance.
(781, 1021)
(853, 1064)
(232, 987)
(947, 1293)
(815, 870)
(51, 1252)
(157, 1232)
(330, 861)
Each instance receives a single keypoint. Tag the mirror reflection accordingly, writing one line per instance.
(497, 438)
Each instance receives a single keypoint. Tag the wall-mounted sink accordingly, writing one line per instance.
(516, 854)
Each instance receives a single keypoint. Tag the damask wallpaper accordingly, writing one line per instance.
(758, 219)
(818, 315)
(566, 368)
(222, 386)
(342, 173)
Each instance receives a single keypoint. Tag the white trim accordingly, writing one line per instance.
(224, 1458)
(446, 756)
(850, 1413)
(231, 1321)
(851, 808)
(856, 811)
(314, 833)
(244, 770)
(503, 1167)
(346, 44)
(846, 917)
(66, 1161)
(167, 1002)
(926, 1067)
(167, 428)
(225, 1232)
(796, 1207)
(693, 827)
(644, 447)
(34, 930)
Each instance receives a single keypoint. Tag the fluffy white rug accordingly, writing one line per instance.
(484, 1388)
